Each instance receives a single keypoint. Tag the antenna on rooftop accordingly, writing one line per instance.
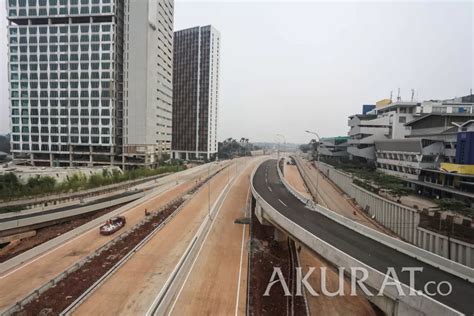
(412, 94)
(398, 96)
(391, 95)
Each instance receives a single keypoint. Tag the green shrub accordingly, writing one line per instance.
(11, 187)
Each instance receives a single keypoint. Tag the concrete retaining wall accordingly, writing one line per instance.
(400, 305)
(461, 251)
(400, 219)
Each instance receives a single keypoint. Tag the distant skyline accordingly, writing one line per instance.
(291, 66)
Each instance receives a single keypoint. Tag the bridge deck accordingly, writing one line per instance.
(364, 249)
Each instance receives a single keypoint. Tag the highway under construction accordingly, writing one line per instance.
(198, 242)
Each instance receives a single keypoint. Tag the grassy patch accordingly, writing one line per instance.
(373, 180)
(11, 187)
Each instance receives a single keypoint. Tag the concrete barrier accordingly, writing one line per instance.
(177, 277)
(402, 305)
(74, 267)
(57, 216)
(400, 219)
(431, 258)
(61, 240)
(290, 188)
(66, 237)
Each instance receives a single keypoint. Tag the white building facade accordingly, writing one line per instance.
(67, 80)
(387, 122)
(148, 76)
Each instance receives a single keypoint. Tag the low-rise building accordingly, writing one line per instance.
(333, 147)
(406, 158)
(384, 122)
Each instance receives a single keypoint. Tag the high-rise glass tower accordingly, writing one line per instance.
(195, 92)
(69, 87)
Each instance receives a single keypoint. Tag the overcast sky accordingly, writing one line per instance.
(291, 66)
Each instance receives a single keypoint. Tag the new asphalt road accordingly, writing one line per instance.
(364, 249)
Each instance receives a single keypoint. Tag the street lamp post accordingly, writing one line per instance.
(209, 190)
(279, 136)
(317, 159)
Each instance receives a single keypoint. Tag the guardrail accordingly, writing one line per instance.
(410, 303)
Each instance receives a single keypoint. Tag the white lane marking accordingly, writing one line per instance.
(83, 234)
(240, 267)
(214, 205)
(200, 248)
(282, 202)
(269, 189)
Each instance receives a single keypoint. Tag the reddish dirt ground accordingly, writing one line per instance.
(266, 254)
(57, 298)
(47, 233)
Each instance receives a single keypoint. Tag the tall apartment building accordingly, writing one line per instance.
(195, 92)
(72, 73)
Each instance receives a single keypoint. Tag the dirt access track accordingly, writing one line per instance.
(20, 281)
(217, 281)
(132, 289)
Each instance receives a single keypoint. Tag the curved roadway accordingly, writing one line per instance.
(364, 249)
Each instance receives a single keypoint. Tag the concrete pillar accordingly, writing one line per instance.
(50, 159)
(279, 236)
(386, 305)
